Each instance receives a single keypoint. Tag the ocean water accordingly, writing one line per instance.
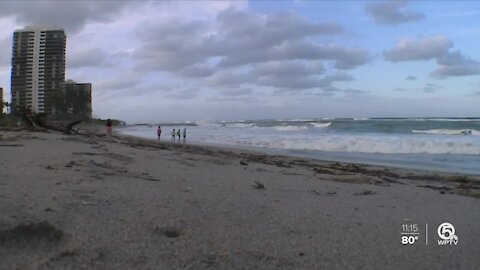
(440, 144)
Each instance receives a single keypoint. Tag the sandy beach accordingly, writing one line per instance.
(97, 202)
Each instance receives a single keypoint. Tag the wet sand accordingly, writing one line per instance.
(96, 202)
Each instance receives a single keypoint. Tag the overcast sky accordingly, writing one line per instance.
(157, 61)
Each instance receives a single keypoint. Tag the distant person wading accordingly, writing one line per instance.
(184, 134)
(159, 132)
(173, 135)
(178, 134)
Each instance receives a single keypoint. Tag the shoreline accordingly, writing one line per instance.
(313, 157)
(83, 202)
(324, 167)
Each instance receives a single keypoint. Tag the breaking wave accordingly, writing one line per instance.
(280, 126)
(291, 128)
(371, 144)
(321, 125)
(448, 132)
(241, 125)
(306, 137)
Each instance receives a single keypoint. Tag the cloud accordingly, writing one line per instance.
(239, 38)
(182, 94)
(338, 77)
(392, 12)
(411, 78)
(71, 15)
(228, 78)
(455, 64)
(198, 70)
(237, 92)
(120, 82)
(5, 48)
(290, 83)
(244, 50)
(286, 75)
(344, 58)
(450, 63)
(171, 45)
(256, 31)
(430, 88)
(424, 48)
(304, 82)
(288, 68)
(87, 57)
(355, 92)
(399, 89)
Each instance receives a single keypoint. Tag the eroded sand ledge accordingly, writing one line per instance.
(84, 202)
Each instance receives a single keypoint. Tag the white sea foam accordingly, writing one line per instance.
(286, 127)
(241, 125)
(448, 131)
(376, 144)
(321, 125)
(277, 138)
(300, 120)
(452, 119)
(291, 128)
(205, 123)
(442, 119)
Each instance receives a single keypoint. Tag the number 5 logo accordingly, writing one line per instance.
(446, 231)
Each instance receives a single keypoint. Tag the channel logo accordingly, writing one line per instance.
(446, 232)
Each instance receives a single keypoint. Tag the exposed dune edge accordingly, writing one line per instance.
(83, 202)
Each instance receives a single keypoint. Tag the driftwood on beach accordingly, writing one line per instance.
(67, 129)
(39, 120)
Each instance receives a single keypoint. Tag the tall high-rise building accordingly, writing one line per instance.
(38, 68)
(1, 100)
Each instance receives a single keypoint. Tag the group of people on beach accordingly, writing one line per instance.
(177, 133)
(159, 132)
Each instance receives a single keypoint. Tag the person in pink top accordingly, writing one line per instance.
(109, 127)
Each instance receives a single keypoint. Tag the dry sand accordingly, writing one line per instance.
(92, 202)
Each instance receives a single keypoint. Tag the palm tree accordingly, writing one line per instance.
(7, 105)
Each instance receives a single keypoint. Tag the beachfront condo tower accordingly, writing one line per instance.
(38, 68)
(1, 100)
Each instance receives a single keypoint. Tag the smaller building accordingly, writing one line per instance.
(77, 99)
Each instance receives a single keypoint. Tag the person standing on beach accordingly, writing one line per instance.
(178, 134)
(159, 132)
(184, 134)
(173, 135)
(109, 126)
